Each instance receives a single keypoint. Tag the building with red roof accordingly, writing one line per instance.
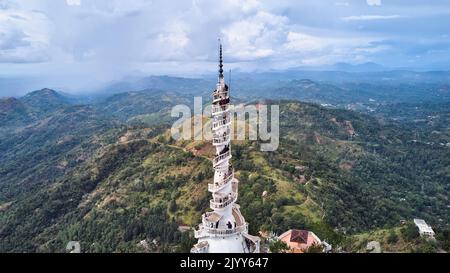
(299, 240)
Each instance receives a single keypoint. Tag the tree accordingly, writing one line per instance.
(410, 232)
(173, 206)
(443, 238)
(426, 247)
(187, 242)
(200, 177)
(278, 246)
(315, 248)
(392, 237)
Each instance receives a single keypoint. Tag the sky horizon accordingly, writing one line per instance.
(80, 43)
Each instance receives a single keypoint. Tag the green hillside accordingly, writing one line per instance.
(83, 173)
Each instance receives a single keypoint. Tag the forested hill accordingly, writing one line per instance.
(110, 177)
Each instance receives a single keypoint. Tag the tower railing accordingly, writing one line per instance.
(219, 95)
(201, 247)
(220, 205)
(220, 158)
(222, 122)
(220, 139)
(234, 187)
(218, 109)
(221, 101)
(219, 198)
(218, 186)
(218, 232)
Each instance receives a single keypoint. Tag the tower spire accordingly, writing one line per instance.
(220, 61)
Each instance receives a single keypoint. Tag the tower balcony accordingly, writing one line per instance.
(210, 219)
(218, 96)
(201, 247)
(219, 109)
(223, 197)
(221, 158)
(222, 139)
(225, 121)
(221, 102)
(220, 232)
(220, 89)
(253, 243)
(226, 201)
(220, 185)
(238, 218)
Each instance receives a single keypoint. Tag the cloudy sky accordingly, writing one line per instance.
(107, 39)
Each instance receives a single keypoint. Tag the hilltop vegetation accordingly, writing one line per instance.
(109, 175)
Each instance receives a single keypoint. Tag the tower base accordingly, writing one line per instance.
(239, 243)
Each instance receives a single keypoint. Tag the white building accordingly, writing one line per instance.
(224, 229)
(424, 228)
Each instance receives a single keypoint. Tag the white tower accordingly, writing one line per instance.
(223, 230)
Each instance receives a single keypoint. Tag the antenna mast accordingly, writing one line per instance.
(229, 83)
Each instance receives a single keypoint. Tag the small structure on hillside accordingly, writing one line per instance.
(299, 240)
(144, 244)
(183, 229)
(327, 248)
(373, 247)
(424, 229)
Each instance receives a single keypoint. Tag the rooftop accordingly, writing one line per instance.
(299, 240)
(423, 226)
(299, 236)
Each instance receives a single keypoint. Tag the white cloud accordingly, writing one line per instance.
(374, 2)
(244, 5)
(342, 4)
(102, 36)
(170, 43)
(371, 49)
(370, 17)
(24, 36)
(303, 42)
(73, 2)
(279, 43)
(311, 50)
(119, 34)
(255, 36)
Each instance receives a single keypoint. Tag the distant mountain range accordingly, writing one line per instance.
(176, 84)
(131, 101)
(346, 67)
(39, 104)
(339, 73)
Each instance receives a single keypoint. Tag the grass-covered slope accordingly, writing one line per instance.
(80, 176)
